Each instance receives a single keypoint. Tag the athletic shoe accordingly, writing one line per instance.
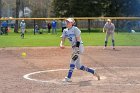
(96, 75)
(66, 79)
(113, 48)
(104, 47)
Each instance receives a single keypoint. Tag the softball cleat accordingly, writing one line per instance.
(66, 79)
(96, 75)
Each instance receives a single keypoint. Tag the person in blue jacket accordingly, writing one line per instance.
(54, 25)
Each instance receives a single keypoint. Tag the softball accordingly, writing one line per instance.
(23, 54)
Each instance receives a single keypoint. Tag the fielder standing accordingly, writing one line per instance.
(73, 35)
(22, 26)
(109, 28)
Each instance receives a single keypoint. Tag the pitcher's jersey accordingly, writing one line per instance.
(71, 34)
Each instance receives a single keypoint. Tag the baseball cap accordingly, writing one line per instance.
(70, 20)
(109, 20)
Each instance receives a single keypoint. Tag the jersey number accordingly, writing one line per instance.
(70, 38)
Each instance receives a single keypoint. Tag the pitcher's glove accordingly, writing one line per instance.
(75, 54)
(76, 50)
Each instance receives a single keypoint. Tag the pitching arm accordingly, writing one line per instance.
(62, 43)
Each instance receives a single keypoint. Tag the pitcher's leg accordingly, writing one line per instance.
(87, 69)
(70, 71)
(72, 66)
(84, 68)
(90, 70)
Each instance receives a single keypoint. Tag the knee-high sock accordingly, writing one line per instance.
(87, 69)
(72, 66)
(113, 42)
(105, 43)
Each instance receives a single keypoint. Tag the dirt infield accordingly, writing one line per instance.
(44, 68)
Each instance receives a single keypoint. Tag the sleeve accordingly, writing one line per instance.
(77, 32)
(63, 34)
(113, 27)
(105, 26)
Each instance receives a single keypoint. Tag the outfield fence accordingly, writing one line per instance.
(90, 24)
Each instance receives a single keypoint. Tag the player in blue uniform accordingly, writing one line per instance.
(73, 35)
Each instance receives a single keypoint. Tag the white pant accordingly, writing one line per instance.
(22, 30)
(108, 33)
(78, 62)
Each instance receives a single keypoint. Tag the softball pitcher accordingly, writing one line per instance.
(73, 35)
(109, 28)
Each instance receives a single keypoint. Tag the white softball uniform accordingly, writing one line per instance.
(109, 30)
(22, 26)
(71, 34)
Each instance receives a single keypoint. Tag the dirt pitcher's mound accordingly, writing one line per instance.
(42, 70)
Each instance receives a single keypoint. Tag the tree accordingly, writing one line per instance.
(96, 8)
(79, 8)
(122, 8)
(17, 15)
(61, 8)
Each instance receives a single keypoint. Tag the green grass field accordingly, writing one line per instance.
(45, 39)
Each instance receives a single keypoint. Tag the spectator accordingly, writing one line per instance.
(54, 24)
(5, 27)
(63, 25)
(36, 29)
(1, 32)
(49, 26)
(44, 24)
(138, 24)
(129, 26)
